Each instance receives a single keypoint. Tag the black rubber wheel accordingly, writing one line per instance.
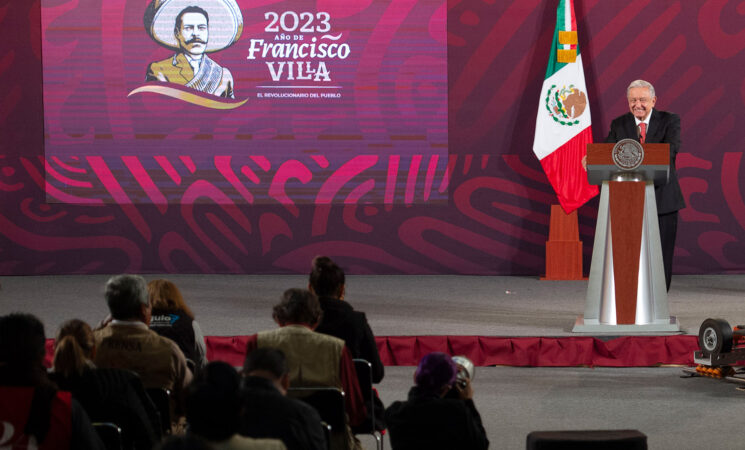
(715, 337)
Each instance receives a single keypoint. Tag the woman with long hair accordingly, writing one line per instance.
(73, 349)
(172, 318)
(108, 395)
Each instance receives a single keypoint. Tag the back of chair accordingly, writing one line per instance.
(110, 434)
(326, 434)
(161, 397)
(364, 378)
(328, 401)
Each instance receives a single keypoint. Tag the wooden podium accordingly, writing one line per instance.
(626, 291)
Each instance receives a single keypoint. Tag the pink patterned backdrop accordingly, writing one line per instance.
(495, 220)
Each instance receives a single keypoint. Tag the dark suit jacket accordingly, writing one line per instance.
(664, 127)
(116, 395)
(266, 413)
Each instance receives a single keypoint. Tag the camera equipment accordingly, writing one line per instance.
(466, 370)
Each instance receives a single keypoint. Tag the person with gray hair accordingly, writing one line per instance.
(313, 359)
(126, 295)
(127, 342)
(641, 84)
(266, 411)
(646, 124)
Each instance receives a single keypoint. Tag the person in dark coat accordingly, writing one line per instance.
(172, 318)
(213, 410)
(340, 320)
(267, 413)
(646, 124)
(430, 418)
(107, 395)
(34, 413)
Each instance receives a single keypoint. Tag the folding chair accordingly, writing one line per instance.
(329, 402)
(161, 398)
(326, 433)
(364, 376)
(110, 434)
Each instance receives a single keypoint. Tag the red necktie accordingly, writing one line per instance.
(642, 132)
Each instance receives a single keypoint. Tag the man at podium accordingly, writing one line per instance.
(648, 125)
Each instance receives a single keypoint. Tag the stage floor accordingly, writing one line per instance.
(231, 305)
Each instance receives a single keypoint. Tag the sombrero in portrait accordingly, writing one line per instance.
(225, 21)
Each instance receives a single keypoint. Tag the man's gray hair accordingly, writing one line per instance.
(125, 295)
(641, 84)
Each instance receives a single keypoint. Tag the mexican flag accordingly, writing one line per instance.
(563, 125)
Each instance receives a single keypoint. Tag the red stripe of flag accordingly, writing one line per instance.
(564, 171)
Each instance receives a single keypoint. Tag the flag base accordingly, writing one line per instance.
(563, 248)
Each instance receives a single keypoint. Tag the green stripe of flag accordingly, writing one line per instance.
(553, 65)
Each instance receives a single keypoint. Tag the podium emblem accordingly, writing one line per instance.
(627, 154)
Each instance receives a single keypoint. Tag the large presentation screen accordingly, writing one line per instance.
(246, 102)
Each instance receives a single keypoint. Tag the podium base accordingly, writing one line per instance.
(594, 326)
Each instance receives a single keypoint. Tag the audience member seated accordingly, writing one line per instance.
(429, 418)
(127, 343)
(212, 410)
(107, 395)
(33, 413)
(341, 320)
(267, 413)
(172, 318)
(314, 359)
